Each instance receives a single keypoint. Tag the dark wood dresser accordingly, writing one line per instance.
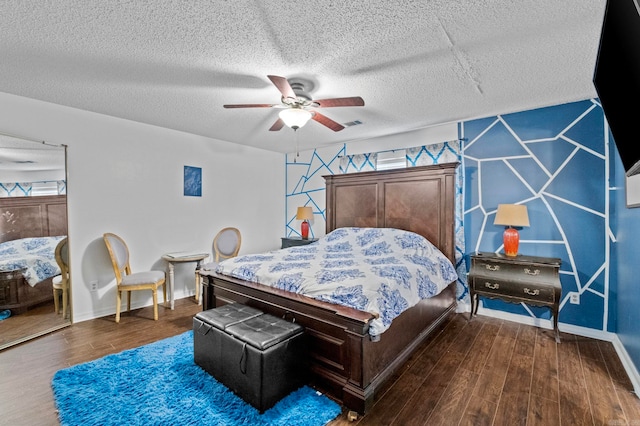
(520, 279)
(296, 241)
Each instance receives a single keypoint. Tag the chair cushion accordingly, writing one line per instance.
(227, 243)
(147, 277)
(120, 251)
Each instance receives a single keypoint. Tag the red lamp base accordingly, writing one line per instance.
(511, 239)
(304, 229)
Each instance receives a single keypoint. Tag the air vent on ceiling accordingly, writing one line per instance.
(352, 123)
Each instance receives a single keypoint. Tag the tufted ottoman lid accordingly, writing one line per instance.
(227, 315)
(264, 331)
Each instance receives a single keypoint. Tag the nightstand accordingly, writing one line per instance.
(296, 241)
(520, 279)
(10, 281)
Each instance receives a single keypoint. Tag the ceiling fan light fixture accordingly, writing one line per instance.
(295, 117)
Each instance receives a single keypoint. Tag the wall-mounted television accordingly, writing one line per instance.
(617, 78)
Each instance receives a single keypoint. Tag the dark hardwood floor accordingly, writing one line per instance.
(37, 320)
(483, 372)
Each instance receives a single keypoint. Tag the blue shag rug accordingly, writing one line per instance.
(160, 384)
(5, 314)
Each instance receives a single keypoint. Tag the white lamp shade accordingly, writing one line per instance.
(295, 117)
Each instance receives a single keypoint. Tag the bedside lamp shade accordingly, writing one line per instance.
(511, 215)
(304, 214)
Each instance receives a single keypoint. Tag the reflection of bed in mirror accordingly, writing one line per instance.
(30, 228)
(345, 361)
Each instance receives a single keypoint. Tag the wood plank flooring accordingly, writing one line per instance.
(36, 321)
(483, 372)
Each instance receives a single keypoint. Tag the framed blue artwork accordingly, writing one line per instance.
(192, 181)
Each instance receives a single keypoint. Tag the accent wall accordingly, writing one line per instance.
(556, 161)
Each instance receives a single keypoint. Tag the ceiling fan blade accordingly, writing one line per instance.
(283, 86)
(340, 102)
(279, 124)
(249, 106)
(326, 121)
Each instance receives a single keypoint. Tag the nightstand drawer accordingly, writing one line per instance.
(528, 291)
(529, 272)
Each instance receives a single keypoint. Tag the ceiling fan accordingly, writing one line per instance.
(298, 107)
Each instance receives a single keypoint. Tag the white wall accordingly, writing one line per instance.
(126, 177)
(11, 176)
(418, 137)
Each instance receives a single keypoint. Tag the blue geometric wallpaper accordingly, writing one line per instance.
(15, 189)
(306, 186)
(25, 189)
(555, 161)
(358, 163)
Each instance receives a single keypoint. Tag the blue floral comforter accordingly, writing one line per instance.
(36, 255)
(383, 271)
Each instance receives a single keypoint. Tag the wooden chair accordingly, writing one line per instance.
(226, 244)
(60, 282)
(128, 281)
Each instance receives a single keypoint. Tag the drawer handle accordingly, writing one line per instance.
(286, 314)
(532, 292)
(492, 286)
(530, 272)
(492, 267)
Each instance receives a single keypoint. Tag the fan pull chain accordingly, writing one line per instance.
(297, 150)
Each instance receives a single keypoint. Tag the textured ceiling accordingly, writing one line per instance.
(174, 63)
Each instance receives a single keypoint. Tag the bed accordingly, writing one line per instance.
(35, 257)
(30, 228)
(347, 361)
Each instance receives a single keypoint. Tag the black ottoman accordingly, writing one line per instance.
(207, 345)
(261, 358)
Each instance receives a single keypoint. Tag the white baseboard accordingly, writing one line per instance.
(111, 310)
(606, 336)
(628, 364)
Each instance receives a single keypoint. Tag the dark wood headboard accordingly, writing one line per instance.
(25, 217)
(418, 199)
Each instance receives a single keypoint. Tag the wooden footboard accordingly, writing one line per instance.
(344, 362)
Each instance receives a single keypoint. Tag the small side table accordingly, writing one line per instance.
(520, 279)
(180, 257)
(296, 241)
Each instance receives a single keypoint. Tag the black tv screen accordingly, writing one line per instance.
(617, 78)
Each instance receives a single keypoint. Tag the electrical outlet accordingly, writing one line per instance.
(574, 297)
(94, 285)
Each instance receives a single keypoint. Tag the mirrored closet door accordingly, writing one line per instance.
(35, 291)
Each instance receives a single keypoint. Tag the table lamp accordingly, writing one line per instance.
(511, 215)
(304, 214)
